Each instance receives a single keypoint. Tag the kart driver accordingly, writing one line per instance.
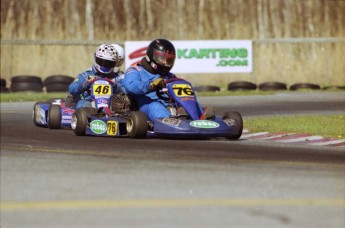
(108, 59)
(143, 78)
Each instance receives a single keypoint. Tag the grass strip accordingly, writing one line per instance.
(323, 125)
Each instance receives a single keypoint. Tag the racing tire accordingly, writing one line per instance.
(298, 86)
(3, 89)
(137, 125)
(57, 79)
(333, 88)
(3, 82)
(80, 121)
(241, 85)
(57, 87)
(268, 86)
(26, 86)
(238, 129)
(26, 78)
(54, 117)
(206, 88)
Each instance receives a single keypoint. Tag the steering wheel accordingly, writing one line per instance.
(98, 79)
(161, 92)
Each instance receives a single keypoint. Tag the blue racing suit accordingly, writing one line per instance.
(79, 93)
(137, 83)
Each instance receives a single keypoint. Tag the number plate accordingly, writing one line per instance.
(182, 90)
(112, 127)
(101, 90)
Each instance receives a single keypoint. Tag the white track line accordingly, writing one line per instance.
(300, 139)
(254, 134)
(328, 142)
(277, 136)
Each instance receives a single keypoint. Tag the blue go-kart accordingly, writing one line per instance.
(55, 113)
(188, 119)
(106, 116)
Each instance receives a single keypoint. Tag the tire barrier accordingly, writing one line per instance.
(57, 83)
(207, 88)
(3, 82)
(241, 85)
(333, 87)
(60, 83)
(298, 86)
(24, 83)
(269, 86)
(26, 78)
(3, 88)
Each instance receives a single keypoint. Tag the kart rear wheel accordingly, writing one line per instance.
(54, 117)
(80, 121)
(136, 125)
(236, 121)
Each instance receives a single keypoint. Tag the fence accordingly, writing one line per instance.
(300, 60)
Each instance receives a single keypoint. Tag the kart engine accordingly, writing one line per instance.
(122, 103)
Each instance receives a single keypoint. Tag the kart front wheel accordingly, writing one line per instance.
(234, 119)
(136, 125)
(54, 117)
(80, 121)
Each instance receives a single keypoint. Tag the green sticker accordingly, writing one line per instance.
(98, 126)
(204, 124)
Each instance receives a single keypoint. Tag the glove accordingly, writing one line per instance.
(86, 85)
(158, 83)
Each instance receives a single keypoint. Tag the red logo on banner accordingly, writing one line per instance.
(138, 53)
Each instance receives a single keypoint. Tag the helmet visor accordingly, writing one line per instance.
(163, 58)
(119, 63)
(105, 63)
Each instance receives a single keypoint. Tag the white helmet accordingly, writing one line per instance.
(106, 58)
(121, 56)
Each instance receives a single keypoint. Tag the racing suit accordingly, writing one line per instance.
(79, 93)
(137, 83)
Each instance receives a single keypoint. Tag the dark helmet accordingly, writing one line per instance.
(161, 55)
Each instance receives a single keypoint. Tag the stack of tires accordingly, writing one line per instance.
(207, 88)
(298, 86)
(57, 83)
(24, 83)
(272, 86)
(3, 88)
(241, 85)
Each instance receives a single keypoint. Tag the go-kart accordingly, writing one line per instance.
(55, 113)
(193, 121)
(110, 115)
(106, 117)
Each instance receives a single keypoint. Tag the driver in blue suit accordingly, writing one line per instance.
(108, 59)
(142, 79)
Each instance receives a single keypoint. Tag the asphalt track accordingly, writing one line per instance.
(52, 178)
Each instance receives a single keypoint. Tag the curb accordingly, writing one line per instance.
(304, 139)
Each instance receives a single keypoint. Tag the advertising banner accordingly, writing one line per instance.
(201, 56)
